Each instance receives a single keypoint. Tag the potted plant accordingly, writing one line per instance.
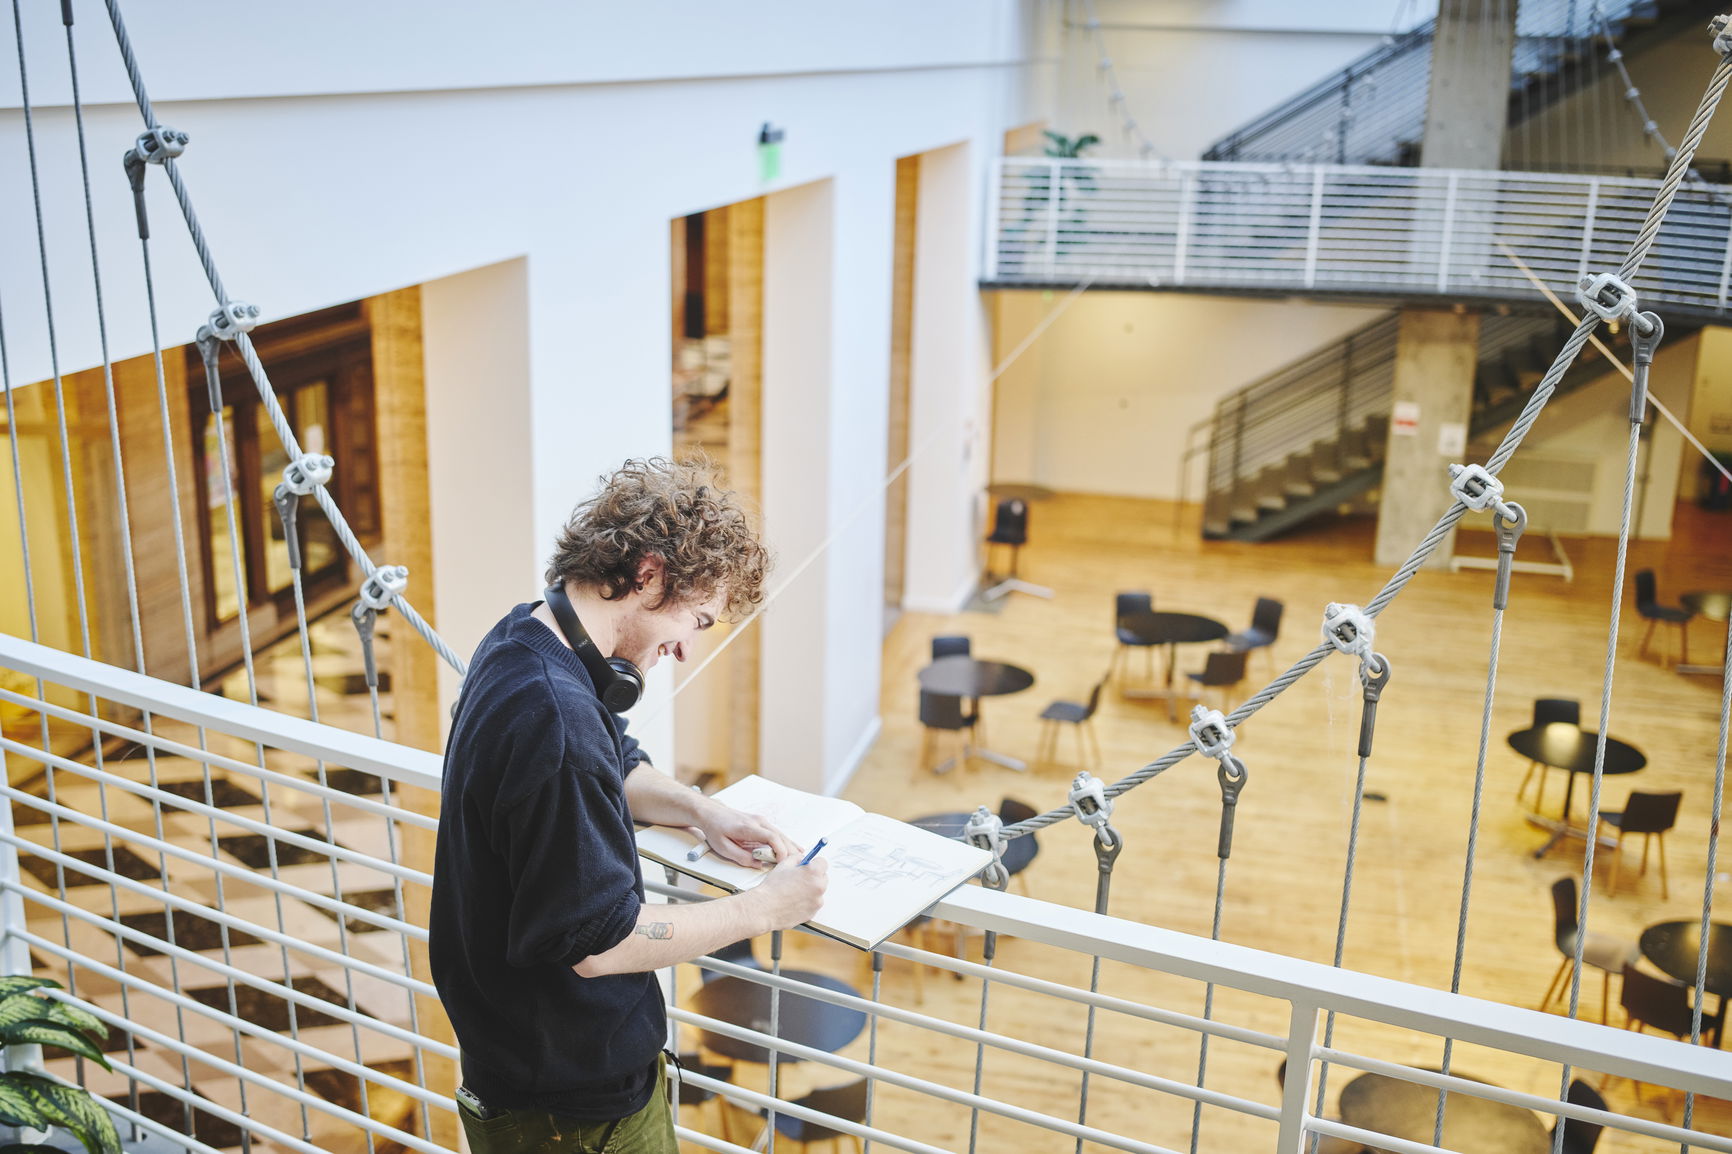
(34, 1101)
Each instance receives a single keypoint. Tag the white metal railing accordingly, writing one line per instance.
(199, 1015)
(1378, 232)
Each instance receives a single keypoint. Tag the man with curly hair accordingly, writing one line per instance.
(541, 944)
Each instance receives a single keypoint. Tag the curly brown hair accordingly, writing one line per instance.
(674, 510)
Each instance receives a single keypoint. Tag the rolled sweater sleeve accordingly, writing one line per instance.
(572, 858)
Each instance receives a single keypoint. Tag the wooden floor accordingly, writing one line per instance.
(1284, 881)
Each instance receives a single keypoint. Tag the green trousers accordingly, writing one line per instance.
(531, 1131)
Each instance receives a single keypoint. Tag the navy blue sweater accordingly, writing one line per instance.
(535, 870)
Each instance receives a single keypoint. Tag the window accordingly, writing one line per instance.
(326, 393)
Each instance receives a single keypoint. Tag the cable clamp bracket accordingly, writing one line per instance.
(307, 472)
(1720, 27)
(385, 585)
(1349, 628)
(232, 319)
(1089, 801)
(1606, 295)
(159, 143)
(1475, 487)
(1210, 732)
(985, 830)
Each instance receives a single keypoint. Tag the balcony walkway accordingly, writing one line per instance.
(1380, 234)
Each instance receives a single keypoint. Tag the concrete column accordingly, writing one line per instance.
(1469, 100)
(1435, 355)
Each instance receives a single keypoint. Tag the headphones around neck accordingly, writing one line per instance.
(618, 682)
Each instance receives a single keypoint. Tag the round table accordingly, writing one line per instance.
(1710, 604)
(1171, 630)
(1409, 1110)
(1018, 852)
(804, 1020)
(1571, 748)
(1672, 946)
(963, 676)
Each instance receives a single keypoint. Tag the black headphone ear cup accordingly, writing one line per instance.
(626, 689)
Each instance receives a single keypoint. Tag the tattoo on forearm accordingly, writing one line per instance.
(656, 931)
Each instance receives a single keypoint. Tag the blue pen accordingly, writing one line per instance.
(813, 852)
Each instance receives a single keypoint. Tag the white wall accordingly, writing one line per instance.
(485, 552)
(340, 152)
(1102, 401)
(1194, 70)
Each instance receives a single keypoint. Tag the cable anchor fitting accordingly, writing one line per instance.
(1642, 348)
(153, 147)
(364, 617)
(288, 503)
(233, 319)
(1509, 521)
(1610, 298)
(985, 830)
(1373, 675)
(1349, 628)
(384, 586)
(1232, 775)
(307, 472)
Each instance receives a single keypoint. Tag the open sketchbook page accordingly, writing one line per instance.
(804, 817)
(883, 872)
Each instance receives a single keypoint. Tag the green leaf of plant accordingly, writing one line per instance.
(19, 1008)
(44, 1033)
(84, 1116)
(70, 1015)
(26, 1148)
(21, 1103)
(18, 983)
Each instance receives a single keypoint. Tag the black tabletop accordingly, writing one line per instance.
(1018, 852)
(1570, 747)
(800, 1019)
(972, 677)
(1672, 946)
(1713, 605)
(1172, 628)
(1409, 1110)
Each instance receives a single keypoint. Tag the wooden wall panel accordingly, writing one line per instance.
(745, 293)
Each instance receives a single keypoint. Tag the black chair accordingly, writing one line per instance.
(847, 1101)
(1077, 713)
(1580, 1137)
(1651, 815)
(740, 953)
(692, 1097)
(1548, 711)
(1265, 628)
(1009, 527)
(1604, 952)
(1648, 605)
(1125, 604)
(1660, 1003)
(950, 645)
(1223, 670)
(940, 712)
(1018, 852)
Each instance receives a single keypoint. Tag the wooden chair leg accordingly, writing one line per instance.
(1647, 635)
(1617, 865)
(1082, 753)
(1683, 643)
(1605, 997)
(1661, 838)
(1556, 984)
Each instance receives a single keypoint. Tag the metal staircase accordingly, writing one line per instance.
(1373, 110)
(1308, 439)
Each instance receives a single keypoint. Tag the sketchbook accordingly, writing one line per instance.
(883, 872)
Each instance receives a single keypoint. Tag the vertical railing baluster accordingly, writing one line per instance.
(1449, 196)
(1296, 1083)
(1054, 173)
(1313, 234)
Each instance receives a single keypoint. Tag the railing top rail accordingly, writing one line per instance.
(1468, 1019)
(1295, 172)
(326, 743)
